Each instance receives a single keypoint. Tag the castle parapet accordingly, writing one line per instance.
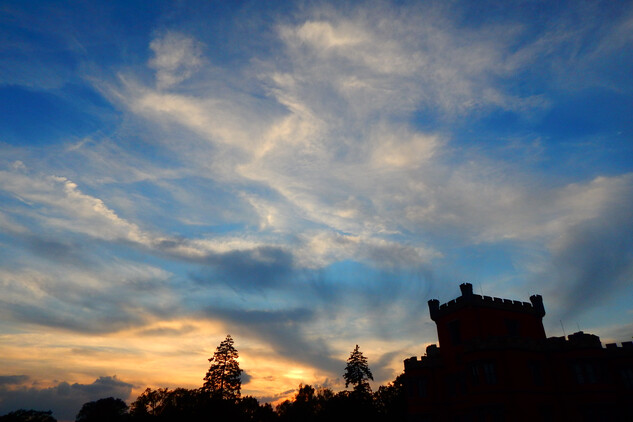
(584, 340)
(468, 298)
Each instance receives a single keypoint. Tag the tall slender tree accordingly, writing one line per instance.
(223, 377)
(357, 372)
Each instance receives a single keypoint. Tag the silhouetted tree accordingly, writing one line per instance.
(357, 372)
(103, 410)
(391, 402)
(223, 377)
(23, 415)
(172, 405)
(183, 404)
(304, 407)
(251, 411)
(150, 403)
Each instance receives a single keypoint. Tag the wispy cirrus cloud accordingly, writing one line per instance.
(393, 62)
(100, 299)
(317, 189)
(176, 58)
(58, 202)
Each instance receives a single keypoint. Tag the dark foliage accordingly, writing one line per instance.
(219, 399)
(387, 404)
(196, 405)
(251, 410)
(309, 404)
(391, 401)
(28, 416)
(103, 410)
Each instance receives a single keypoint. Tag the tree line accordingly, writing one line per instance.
(219, 399)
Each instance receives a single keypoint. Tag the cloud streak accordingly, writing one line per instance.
(316, 184)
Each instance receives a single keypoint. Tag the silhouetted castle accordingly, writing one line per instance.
(495, 363)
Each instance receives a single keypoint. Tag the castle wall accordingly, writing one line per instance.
(496, 363)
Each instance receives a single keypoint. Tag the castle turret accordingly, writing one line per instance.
(434, 308)
(537, 304)
(467, 289)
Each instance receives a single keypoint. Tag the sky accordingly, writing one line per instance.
(304, 176)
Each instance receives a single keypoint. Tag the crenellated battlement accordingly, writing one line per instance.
(628, 345)
(468, 298)
(582, 340)
(431, 358)
(575, 341)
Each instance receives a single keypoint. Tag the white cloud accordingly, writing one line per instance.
(336, 158)
(398, 148)
(381, 61)
(176, 58)
(321, 249)
(8, 224)
(323, 36)
(67, 208)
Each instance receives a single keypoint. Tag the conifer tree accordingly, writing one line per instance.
(357, 372)
(223, 377)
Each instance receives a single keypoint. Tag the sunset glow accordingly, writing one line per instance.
(303, 176)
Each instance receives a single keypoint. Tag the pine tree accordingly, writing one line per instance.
(223, 377)
(357, 372)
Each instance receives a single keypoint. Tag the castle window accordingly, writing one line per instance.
(422, 387)
(591, 373)
(578, 372)
(411, 387)
(627, 377)
(537, 372)
(586, 372)
(454, 331)
(460, 381)
(451, 389)
(490, 372)
(455, 384)
(513, 327)
(487, 368)
(475, 374)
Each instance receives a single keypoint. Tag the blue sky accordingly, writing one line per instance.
(303, 176)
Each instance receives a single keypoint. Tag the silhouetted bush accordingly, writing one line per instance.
(197, 405)
(309, 405)
(391, 401)
(23, 415)
(103, 410)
